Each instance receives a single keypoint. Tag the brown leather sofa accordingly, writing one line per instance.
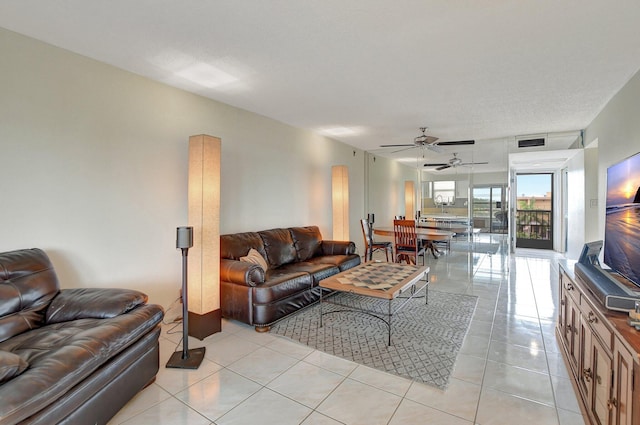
(70, 356)
(297, 259)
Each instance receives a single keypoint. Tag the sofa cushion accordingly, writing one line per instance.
(279, 247)
(11, 365)
(343, 262)
(28, 283)
(236, 245)
(281, 284)
(317, 270)
(92, 303)
(307, 240)
(255, 257)
(338, 247)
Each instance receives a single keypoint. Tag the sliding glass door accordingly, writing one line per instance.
(490, 209)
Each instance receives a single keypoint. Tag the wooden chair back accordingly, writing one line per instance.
(405, 235)
(366, 232)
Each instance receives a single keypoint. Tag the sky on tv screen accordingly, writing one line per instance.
(623, 180)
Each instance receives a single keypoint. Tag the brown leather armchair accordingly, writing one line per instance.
(71, 356)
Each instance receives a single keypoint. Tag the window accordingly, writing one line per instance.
(444, 192)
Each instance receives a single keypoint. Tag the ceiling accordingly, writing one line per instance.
(370, 72)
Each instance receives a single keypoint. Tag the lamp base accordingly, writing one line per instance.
(203, 325)
(192, 361)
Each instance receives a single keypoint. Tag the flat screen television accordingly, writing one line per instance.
(622, 224)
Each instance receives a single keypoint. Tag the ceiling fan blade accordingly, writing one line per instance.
(474, 163)
(444, 167)
(435, 165)
(457, 142)
(435, 148)
(425, 140)
(403, 149)
(395, 146)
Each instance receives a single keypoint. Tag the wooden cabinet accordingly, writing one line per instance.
(600, 394)
(601, 351)
(623, 379)
(571, 319)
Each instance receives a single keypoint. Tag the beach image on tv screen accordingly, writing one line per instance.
(622, 226)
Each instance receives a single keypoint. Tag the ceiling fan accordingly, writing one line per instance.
(430, 142)
(453, 162)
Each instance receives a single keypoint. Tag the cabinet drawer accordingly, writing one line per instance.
(570, 289)
(597, 323)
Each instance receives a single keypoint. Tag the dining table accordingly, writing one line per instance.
(424, 233)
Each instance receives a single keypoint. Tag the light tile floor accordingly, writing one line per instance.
(508, 371)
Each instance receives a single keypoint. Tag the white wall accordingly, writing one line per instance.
(94, 169)
(385, 190)
(575, 204)
(617, 131)
(483, 179)
(591, 211)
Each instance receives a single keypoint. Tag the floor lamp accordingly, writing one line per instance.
(187, 359)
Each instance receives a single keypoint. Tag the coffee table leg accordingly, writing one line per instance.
(389, 323)
(426, 289)
(320, 307)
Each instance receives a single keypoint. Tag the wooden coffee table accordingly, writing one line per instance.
(385, 281)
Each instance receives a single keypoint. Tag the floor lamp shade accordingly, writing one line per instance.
(340, 202)
(204, 217)
(409, 199)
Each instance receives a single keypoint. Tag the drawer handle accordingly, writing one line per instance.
(611, 403)
(591, 318)
(569, 286)
(587, 374)
(569, 328)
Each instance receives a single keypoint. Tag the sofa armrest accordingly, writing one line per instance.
(241, 272)
(338, 247)
(92, 303)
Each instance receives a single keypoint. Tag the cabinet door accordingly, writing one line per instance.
(571, 331)
(602, 383)
(622, 402)
(585, 364)
(562, 314)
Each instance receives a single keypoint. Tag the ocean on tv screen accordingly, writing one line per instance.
(622, 224)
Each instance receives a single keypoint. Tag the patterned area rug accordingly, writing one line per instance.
(425, 338)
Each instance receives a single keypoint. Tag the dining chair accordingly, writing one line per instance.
(406, 241)
(370, 246)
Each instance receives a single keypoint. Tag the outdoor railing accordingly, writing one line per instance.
(533, 224)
